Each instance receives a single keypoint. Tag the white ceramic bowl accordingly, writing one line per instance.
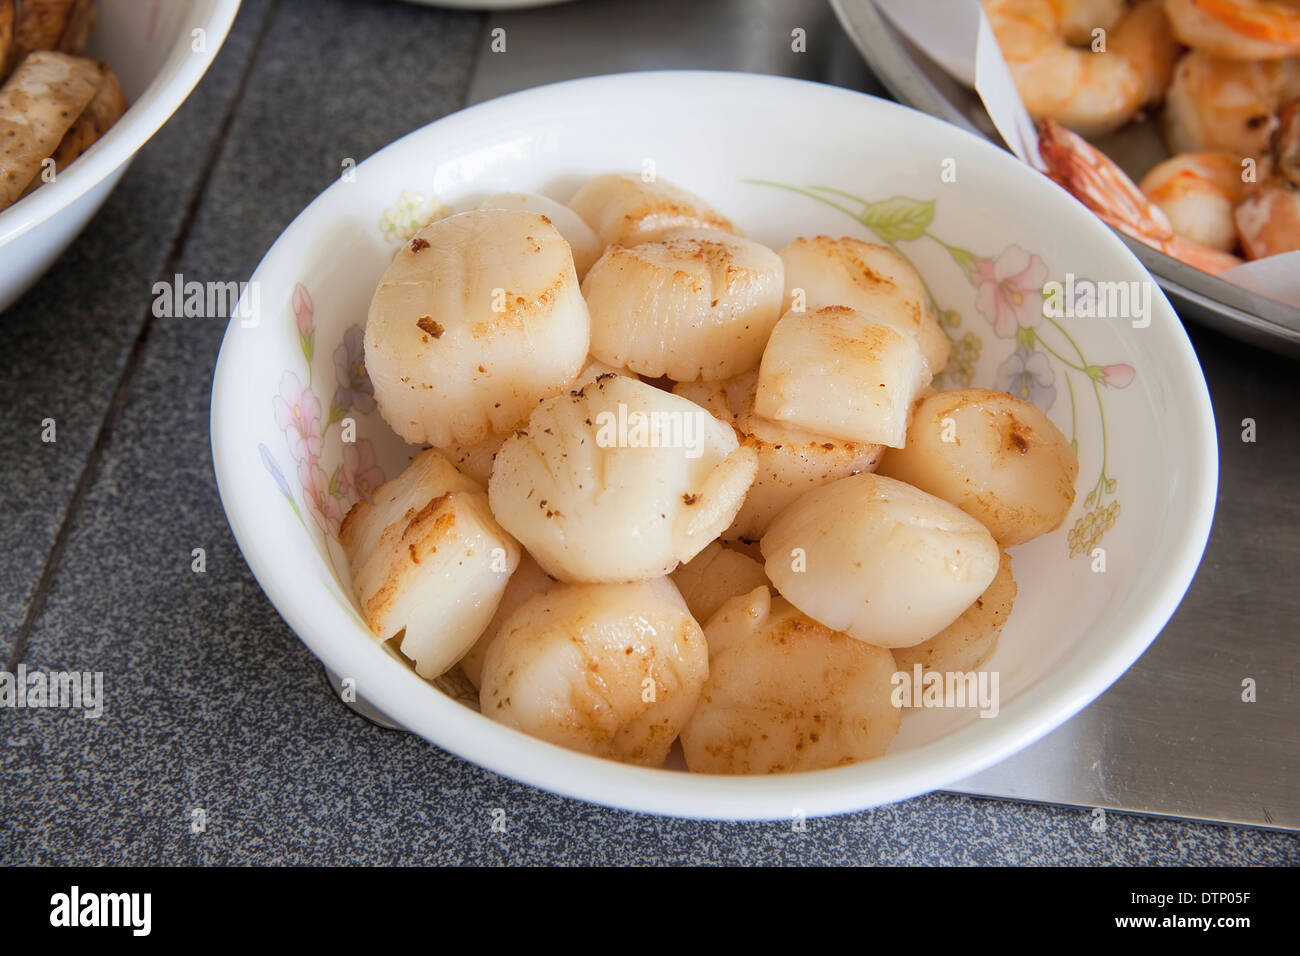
(997, 231)
(151, 48)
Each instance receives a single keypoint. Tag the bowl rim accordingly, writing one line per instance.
(160, 99)
(1076, 680)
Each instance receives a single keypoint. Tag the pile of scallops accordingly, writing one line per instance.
(680, 487)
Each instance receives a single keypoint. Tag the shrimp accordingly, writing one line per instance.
(1237, 29)
(1198, 191)
(1088, 91)
(612, 670)
(878, 559)
(1096, 181)
(695, 304)
(786, 694)
(1268, 221)
(1079, 18)
(1227, 106)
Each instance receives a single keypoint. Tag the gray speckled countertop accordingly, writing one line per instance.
(213, 703)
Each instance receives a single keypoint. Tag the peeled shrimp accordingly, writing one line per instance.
(1095, 180)
(1079, 18)
(786, 694)
(695, 304)
(583, 241)
(1091, 92)
(1268, 221)
(428, 558)
(477, 318)
(627, 210)
(1198, 191)
(873, 279)
(841, 373)
(715, 576)
(791, 461)
(612, 670)
(993, 455)
(878, 559)
(969, 641)
(1227, 106)
(1238, 29)
(619, 481)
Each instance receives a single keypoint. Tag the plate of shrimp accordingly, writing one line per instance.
(677, 466)
(1175, 121)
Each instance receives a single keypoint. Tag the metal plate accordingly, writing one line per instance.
(913, 79)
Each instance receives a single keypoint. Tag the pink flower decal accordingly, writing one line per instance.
(322, 504)
(302, 308)
(1010, 290)
(302, 311)
(1117, 376)
(360, 475)
(297, 411)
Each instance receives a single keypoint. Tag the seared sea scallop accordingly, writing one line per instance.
(477, 318)
(626, 210)
(995, 456)
(878, 559)
(713, 577)
(695, 304)
(476, 459)
(612, 670)
(969, 641)
(841, 373)
(618, 481)
(428, 559)
(585, 245)
(873, 279)
(528, 580)
(791, 461)
(787, 694)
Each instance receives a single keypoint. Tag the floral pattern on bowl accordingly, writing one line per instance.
(297, 408)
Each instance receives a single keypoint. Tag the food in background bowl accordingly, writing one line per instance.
(613, 488)
(55, 104)
(154, 50)
(1228, 76)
